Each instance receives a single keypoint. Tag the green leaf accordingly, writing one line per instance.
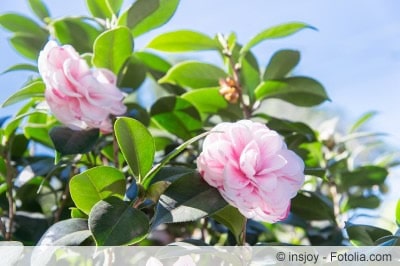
(365, 235)
(300, 91)
(249, 74)
(34, 89)
(77, 32)
(287, 128)
(132, 74)
(39, 8)
(274, 32)
(21, 24)
(137, 12)
(281, 63)
(37, 128)
(194, 75)
(362, 120)
(76, 213)
(398, 213)
(182, 41)
(68, 141)
(21, 67)
(312, 206)
(369, 202)
(158, 168)
(207, 100)
(113, 222)
(96, 184)
(137, 112)
(233, 219)
(187, 199)
(154, 19)
(28, 45)
(153, 61)
(176, 115)
(71, 232)
(365, 176)
(104, 8)
(112, 48)
(136, 144)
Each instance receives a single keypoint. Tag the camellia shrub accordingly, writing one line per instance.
(85, 162)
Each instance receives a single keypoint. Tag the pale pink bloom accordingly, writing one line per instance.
(79, 96)
(252, 168)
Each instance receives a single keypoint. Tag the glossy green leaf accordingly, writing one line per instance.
(104, 8)
(362, 120)
(67, 141)
(207, 100)
(281, 63)
(113, 223)
(21, 67)
(112, 48)
(137, 12)
(132, 74)
(15, 122)
(312, 206)
(77, 32)
(156, 18)
(138, 112)
(274, 32)
(136, 144)
(249, 74)
(187, 199)
(76, 213)
(96, 184)
(37, 128)
(176, 115)
(157, 68)
(286, 127)
(300, 91)
(28, 45)
(364, 176)
(182, 41)
(20, 24)
(194, 74)
(233, 219)
(71, 232)
(152, 175)
(39, 8)
(369, 202)
(34, 89)
(398, 213)
(365, 235)
(153, 61)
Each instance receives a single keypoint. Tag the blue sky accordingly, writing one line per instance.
(355, 53)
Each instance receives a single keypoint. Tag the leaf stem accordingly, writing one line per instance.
(242, 237)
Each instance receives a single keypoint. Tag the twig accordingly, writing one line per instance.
(247, 109)
(64, 198)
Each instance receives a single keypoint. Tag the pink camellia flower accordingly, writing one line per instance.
(78, 96)
(252, 168)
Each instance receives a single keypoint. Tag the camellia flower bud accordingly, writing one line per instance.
(229, 90)
(78, 96)
(252, 168)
